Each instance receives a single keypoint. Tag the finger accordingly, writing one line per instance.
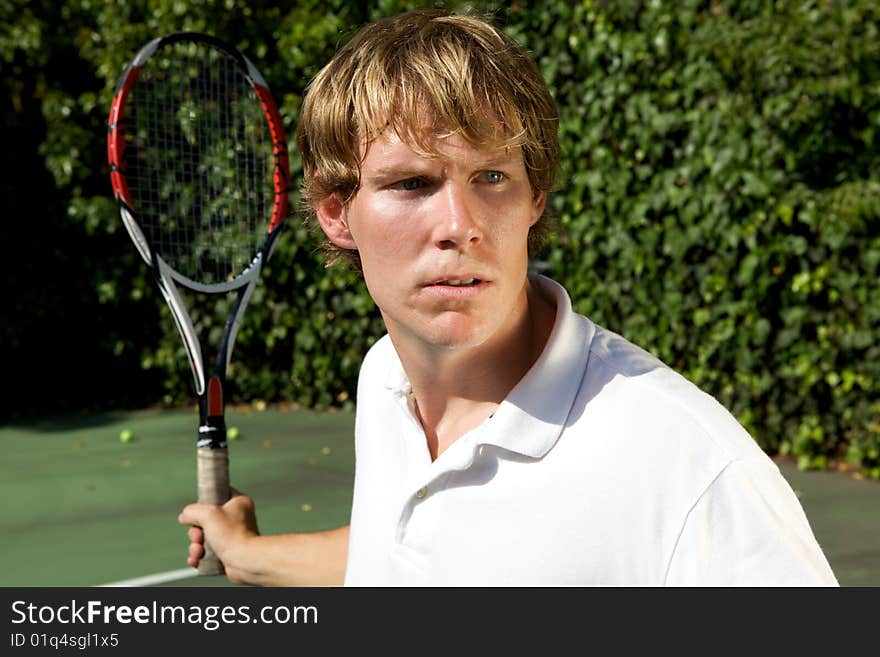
(196, 551)
(196, 535)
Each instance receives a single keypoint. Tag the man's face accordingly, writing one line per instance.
(442, 240)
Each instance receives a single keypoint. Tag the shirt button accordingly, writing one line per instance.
(421, 492)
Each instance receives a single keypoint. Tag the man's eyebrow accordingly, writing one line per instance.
(393, 170)
(501, 160)
(415, 170)
(397, 169)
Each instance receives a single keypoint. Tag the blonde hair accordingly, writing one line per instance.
(424, 75)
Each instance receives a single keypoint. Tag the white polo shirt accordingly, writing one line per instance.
(601, 467)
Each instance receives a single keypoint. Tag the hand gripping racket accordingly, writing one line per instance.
(199, 167)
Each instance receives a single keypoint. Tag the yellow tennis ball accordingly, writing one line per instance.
(126, 436)
(233, 433)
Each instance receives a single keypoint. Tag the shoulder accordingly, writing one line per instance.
(626, 400)
(661, 400)
(734, 517)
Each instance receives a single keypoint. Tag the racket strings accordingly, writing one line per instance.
(199, 161)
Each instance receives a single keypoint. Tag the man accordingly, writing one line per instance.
(500, 437)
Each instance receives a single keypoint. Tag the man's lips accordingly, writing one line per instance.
(457, 280)
(456, 289)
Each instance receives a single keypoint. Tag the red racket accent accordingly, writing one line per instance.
(215, 397)
(279, 148)
(116, 141)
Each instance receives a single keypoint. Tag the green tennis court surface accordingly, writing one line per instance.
(82, 508)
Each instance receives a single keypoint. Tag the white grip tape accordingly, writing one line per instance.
(213, 484)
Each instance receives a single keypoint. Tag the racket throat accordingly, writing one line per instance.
(212, 427)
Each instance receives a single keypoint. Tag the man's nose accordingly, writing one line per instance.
(455, 225)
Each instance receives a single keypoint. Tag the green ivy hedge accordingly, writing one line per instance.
(720, 203)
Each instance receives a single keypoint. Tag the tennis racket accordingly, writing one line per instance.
(199, 167)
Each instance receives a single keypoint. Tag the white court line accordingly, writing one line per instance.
(158, 578)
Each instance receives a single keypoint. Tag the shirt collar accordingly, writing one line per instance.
(530, 419)
(396, 380)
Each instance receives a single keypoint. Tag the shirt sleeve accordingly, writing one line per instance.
(748, 529)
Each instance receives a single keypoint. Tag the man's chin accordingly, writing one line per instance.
(454, 332)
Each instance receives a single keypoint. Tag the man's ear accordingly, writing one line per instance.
(333, 217)
(539, 202)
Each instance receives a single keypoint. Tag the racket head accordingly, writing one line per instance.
(198, 160)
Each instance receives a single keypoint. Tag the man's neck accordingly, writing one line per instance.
(455, 391)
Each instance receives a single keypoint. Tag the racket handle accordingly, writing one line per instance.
(213, 474)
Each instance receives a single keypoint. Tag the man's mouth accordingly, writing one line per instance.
(459, 282)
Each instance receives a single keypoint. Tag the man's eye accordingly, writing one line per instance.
(410, 184)
(492, 177)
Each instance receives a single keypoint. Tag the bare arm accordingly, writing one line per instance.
(311, 559)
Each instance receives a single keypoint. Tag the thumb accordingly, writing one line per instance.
(195, 514)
